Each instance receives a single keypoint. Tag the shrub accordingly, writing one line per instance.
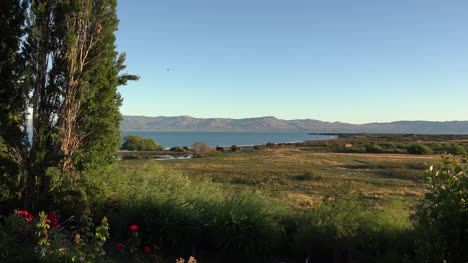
(373, 148)
(234, 148)
(41, 238)
(200, 149)
(443, 215)
(388, 145)
(137, 143)
(177, 149)
(457, 150)
(219, 149)
(419, 149)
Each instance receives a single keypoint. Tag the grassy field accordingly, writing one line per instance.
(302, 174)
(302, 178)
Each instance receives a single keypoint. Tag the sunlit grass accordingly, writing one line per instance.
(378, 177)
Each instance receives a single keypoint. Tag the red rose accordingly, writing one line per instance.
(147, 249)
(120, 245)
(52, 215)
(133, 228)
(26, 214)
(29, 217)
(53, 220)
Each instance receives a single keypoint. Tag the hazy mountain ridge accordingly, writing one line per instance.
(270, 123)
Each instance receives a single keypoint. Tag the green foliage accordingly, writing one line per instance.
(12, 103)
(9, 173)
(457, 150)
(200, 149)
(17, 239)
(419, 149)
(388, 145)
(183, 214)
(137, 143)
(88, 245)
(373, 148)
(59, 59)
(41, 239)
(443, 215)
(341, 229)
(159, 200)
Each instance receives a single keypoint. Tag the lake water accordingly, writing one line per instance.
(170, 139)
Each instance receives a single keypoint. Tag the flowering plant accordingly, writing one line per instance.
(133, 228)
(132, 247)
(29, 217)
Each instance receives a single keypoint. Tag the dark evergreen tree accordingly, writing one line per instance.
(41, 51)
(12, 96)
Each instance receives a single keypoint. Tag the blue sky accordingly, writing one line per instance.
(353, 61)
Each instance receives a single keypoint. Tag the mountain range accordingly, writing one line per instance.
(272, 124)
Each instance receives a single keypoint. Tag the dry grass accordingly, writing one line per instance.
(276, 171)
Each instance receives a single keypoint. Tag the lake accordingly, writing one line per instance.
(170, 139)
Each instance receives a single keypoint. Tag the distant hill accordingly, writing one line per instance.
(270, 123)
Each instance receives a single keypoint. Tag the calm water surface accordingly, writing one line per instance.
(170, 139)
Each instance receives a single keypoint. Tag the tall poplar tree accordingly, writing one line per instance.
(12, 95)
(70, 82)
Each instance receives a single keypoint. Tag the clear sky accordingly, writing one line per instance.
(353, 61)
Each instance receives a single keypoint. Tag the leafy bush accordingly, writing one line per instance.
(200, 149)
(419, 149)
(443, 215)
(219, 149)
(457, 150)
(137, 143)
(177, 149)
(373, 148)
(235, 148)
(388, 145)
(41, 238)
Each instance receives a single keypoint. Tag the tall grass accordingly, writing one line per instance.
(348, 230)
(176, 212)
